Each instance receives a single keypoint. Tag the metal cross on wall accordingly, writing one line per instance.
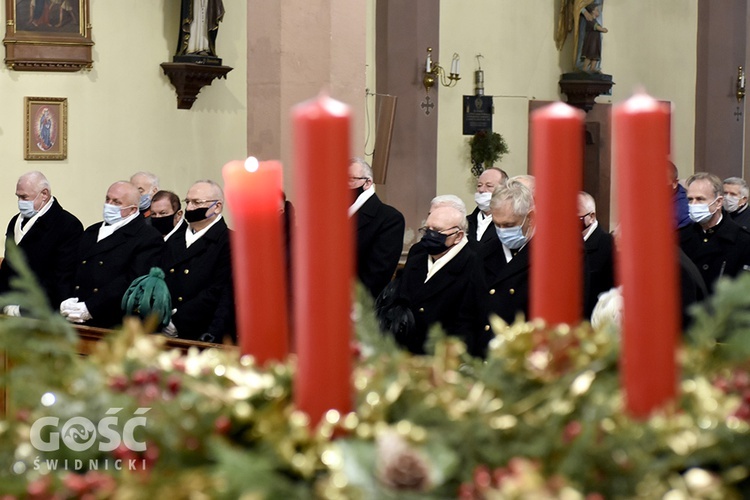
(427, 105)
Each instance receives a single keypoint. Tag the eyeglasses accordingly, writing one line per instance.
(423, 230)
(188, 201)
(585, 215)
(355, 179)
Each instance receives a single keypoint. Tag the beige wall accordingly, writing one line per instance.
(123, 116)
(650, 45)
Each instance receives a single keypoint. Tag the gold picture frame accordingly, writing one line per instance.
(41, 35)
(46, 128)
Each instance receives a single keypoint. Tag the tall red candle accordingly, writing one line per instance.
(323, 257)
(647, 257)
(557, 248)
(253, 193)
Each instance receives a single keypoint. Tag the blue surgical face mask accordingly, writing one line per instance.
(26, 207)
(699, 212)
(144, 202)
(512, 237)
(112, 213)
(731, 203)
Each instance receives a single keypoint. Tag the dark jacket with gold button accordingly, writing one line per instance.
(200, 282)
(507, 283)
(449, 298)
(51, 251)
(108, 267)
(380, 240)
(723, 250)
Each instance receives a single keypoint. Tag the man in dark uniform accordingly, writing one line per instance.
(198, 268)
(480, 220)
(111, 255)
(714, 242)
(441, 283)
(506, 259)
(735, 200)
(380, 230)
(599, 253)
(47, 235)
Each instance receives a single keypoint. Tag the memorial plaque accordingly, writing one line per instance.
(477, 113)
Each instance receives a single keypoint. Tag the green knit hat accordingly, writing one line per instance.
(149, 296)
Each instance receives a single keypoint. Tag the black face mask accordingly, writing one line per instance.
(357, 191)
(198, 214)
(434, 242)
(163, 224)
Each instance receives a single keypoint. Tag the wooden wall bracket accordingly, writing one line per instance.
(189, 78)
(582, 89)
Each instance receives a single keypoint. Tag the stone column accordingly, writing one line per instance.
(295, 49)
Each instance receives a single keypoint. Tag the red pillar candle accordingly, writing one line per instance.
(647, 257)
(323, 257)
(557, 248)
(253, 193)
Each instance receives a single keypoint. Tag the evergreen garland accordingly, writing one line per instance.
(542, 417)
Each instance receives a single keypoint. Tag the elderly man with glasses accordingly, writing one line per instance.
(380, 230)
(441, 283)
(198, 268)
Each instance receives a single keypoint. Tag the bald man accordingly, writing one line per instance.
(47, 235)
(112, 254)
(197, 264)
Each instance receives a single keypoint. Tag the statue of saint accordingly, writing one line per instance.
(199, 25)
(583, 18)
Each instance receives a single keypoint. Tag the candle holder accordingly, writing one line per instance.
(740, 83)
(435, 73)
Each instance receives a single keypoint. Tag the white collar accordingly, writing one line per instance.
(590, 230)
(361, 199)
(438, 264)
(174, 229)
(191, 237)
(19, 232)
(107, 230)
(483, 222)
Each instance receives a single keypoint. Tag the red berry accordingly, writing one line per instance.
(223, 424)
(140, 377)
(482, 477)
(572, 430)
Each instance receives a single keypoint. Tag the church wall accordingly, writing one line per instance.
(650, 45)
(123, 116)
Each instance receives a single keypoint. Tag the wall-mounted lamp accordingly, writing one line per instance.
(479, 77)
(740, 83)
(434, 72)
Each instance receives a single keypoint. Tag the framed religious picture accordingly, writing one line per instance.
(48, 35)
(46, 128)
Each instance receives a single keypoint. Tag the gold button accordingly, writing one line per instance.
(83, 262)
(77, 287)
(511, 291)
(179, 299)
(101, 262)
(187, 271)
(486, 328)
(171, 270)
(421, 309)
(96, 290)
(492, 291)
(705, 240)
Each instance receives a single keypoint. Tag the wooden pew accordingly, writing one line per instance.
(89, 336)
